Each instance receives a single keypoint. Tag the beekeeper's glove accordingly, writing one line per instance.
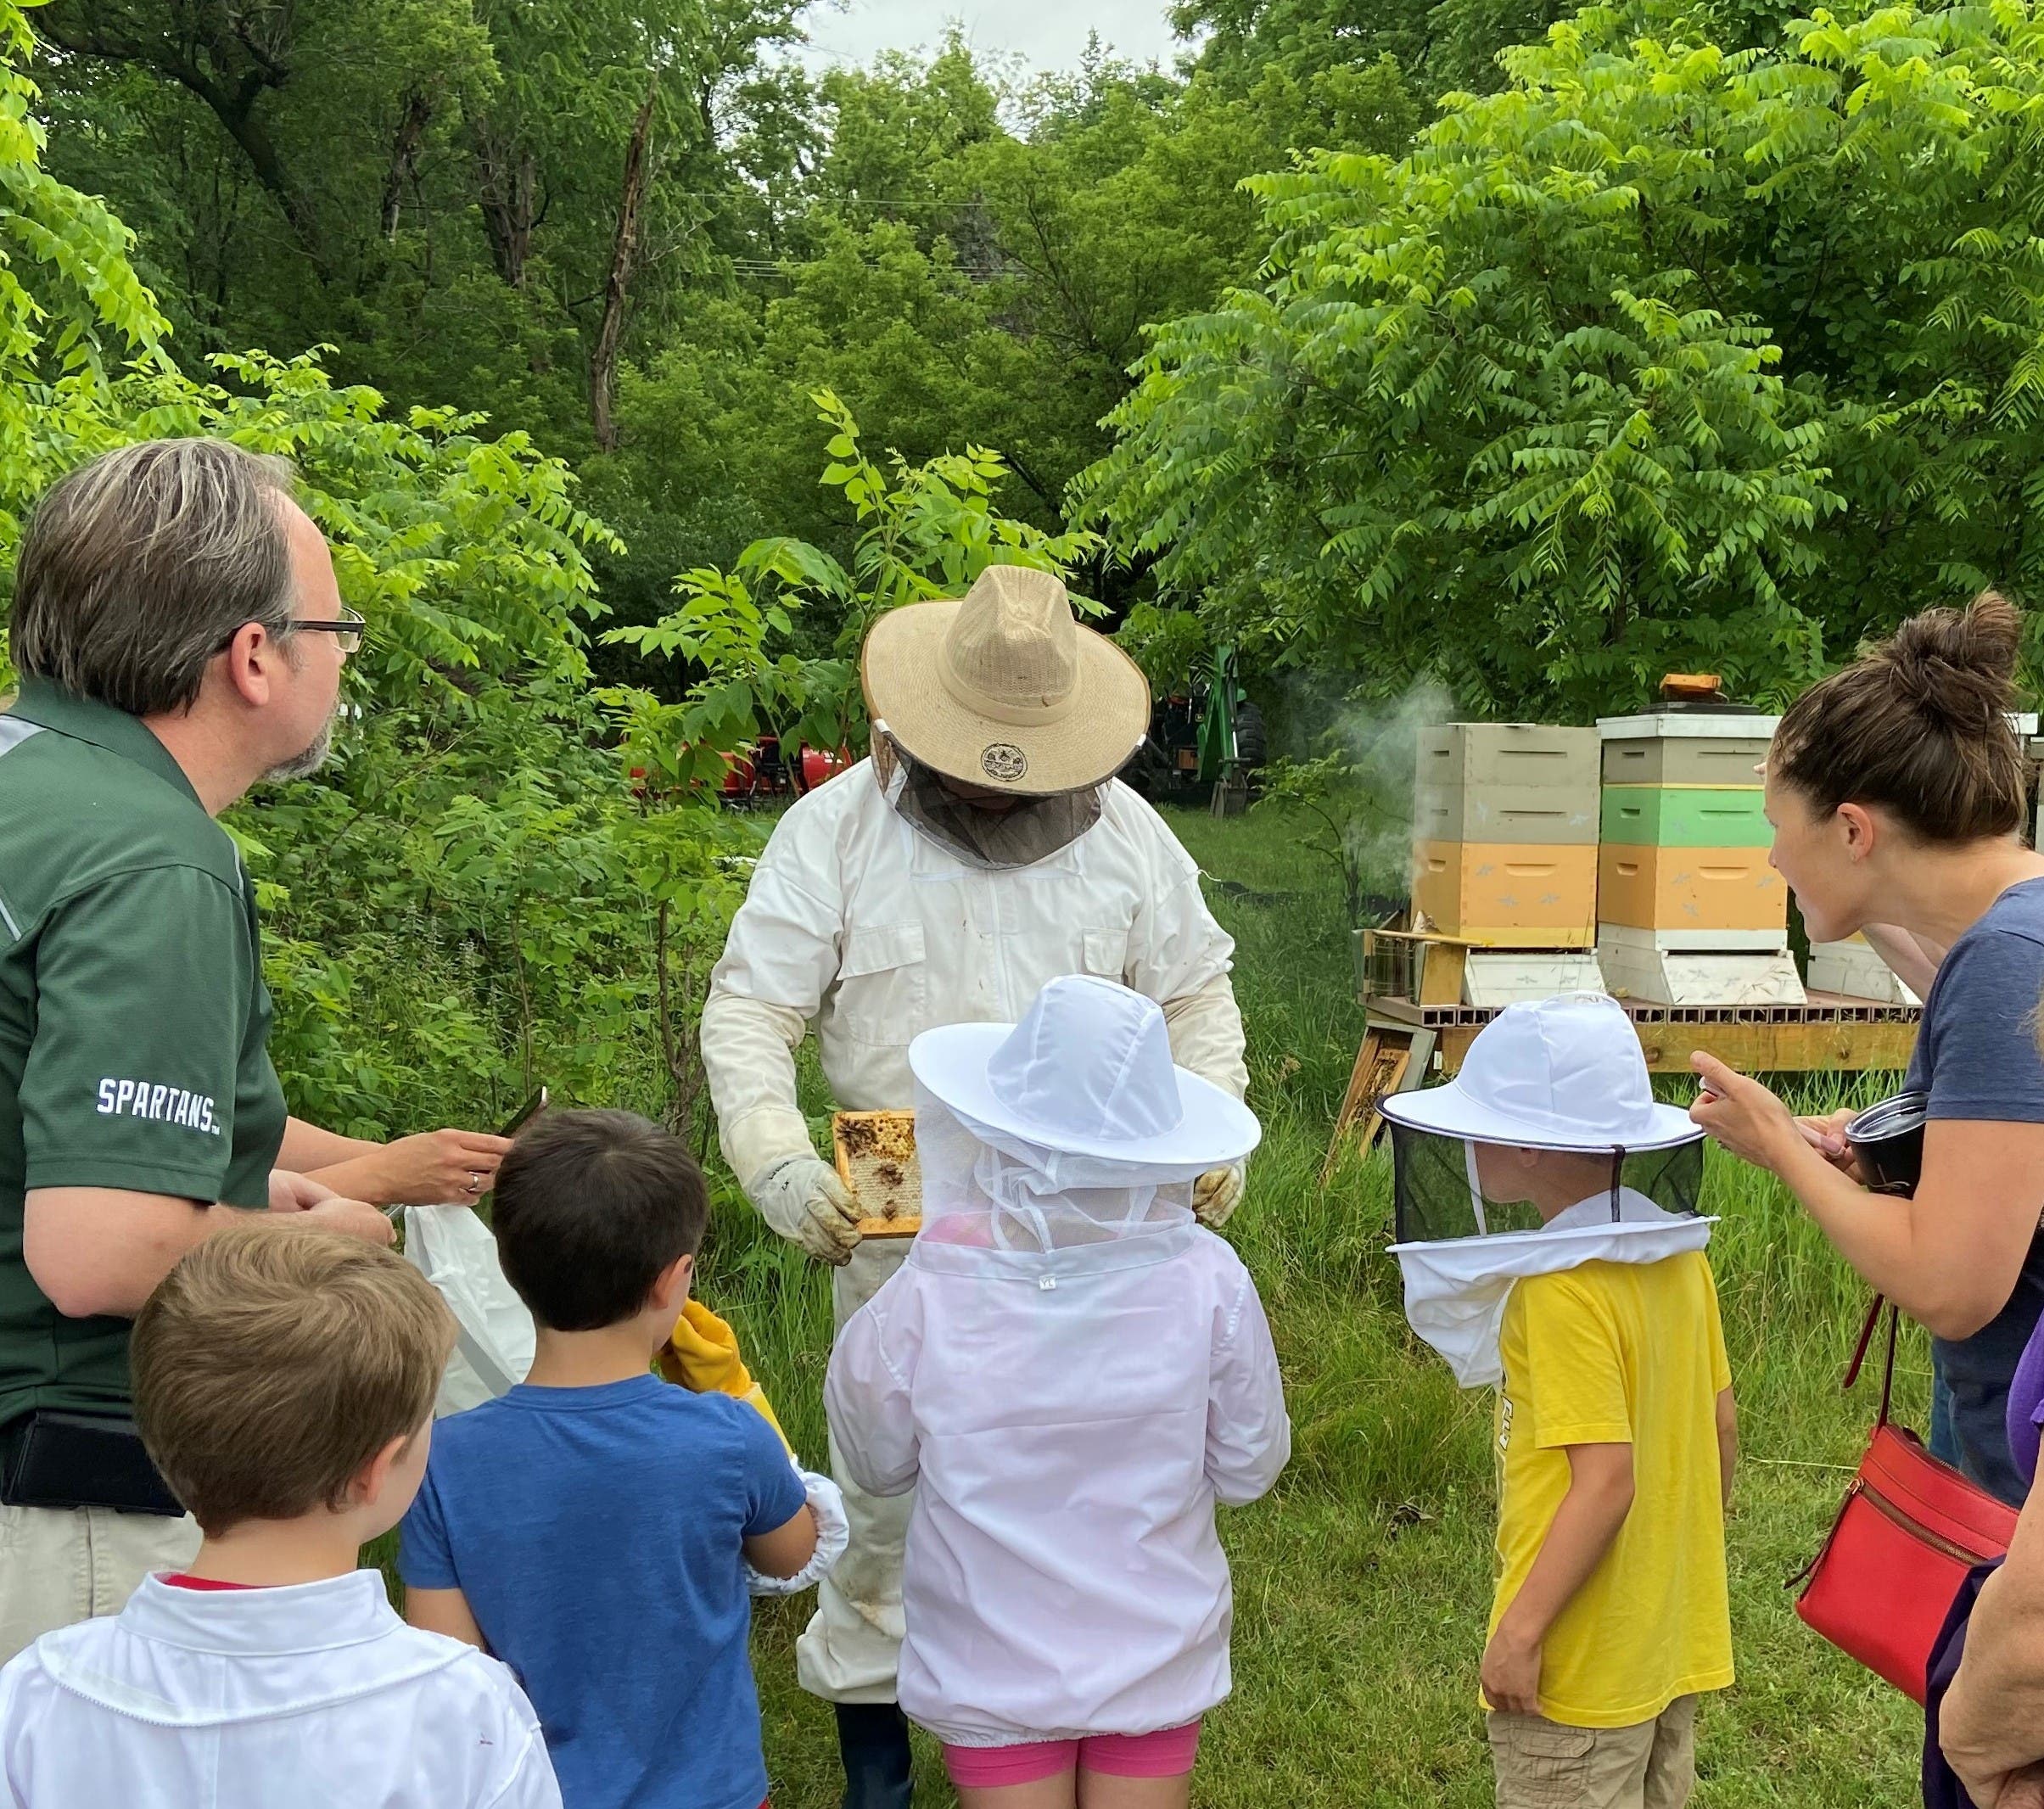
(833, 1533)
(803, 1198)
(702, 1354)
(1216, 1194)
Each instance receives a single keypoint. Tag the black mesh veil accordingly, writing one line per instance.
(1437, 1193)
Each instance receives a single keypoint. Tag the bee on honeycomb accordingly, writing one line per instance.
(875, 1154)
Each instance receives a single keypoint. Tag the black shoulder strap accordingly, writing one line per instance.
(1859, 1355)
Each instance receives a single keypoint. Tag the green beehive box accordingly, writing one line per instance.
(1685, 816)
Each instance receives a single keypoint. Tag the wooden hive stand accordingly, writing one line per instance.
(1404, 1038)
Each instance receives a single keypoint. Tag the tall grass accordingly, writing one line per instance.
(1362, 1583)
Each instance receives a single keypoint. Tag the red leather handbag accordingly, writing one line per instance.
(1910, 1530)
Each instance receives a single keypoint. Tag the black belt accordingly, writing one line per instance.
(81, 1460)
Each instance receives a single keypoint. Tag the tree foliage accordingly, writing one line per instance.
(1666, 355)
(637, 231)
(777, 638)
(470, 891)
(1688, 333)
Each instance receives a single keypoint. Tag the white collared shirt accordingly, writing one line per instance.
(312, 1695)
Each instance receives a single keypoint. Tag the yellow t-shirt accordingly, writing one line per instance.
(1620, 1353)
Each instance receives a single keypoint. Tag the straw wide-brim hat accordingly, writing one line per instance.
(1003, 688)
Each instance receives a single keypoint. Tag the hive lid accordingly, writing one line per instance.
(1727, 722)
(1731, 721)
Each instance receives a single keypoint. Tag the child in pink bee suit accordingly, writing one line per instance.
(1070, 1373)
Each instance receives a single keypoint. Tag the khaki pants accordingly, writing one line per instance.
(58, 1565)
(1542, 1765)
(851, 1649)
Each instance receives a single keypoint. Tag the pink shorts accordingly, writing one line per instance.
(1167, 1753)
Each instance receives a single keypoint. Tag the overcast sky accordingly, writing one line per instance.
(1047, 34)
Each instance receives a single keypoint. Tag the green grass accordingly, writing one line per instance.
(1362, 1583)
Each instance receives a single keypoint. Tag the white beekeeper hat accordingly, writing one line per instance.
(1088, 1072)
(1560, 1073)
(1623, 1174)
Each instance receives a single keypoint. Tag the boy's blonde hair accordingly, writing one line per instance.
(272, 1365)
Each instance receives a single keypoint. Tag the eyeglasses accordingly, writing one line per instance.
(347, 632)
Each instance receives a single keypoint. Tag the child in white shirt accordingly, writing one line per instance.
(1070, 1373)
(284, 1383)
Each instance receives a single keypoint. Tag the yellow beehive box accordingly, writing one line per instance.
(1508, 894)
(1696, 888)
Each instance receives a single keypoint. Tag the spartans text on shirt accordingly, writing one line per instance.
(143, 1099)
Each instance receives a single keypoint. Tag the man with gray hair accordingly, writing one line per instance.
(180, 635)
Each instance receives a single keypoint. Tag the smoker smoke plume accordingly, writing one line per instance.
(1361, 754)
(1380, 740)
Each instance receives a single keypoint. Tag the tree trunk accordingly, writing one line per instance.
(403, 161)
(603, 356)
(507, 194)
(228, 73)
(250, 133)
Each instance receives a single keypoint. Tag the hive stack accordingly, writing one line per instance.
(1504, 854)
(1688, 911)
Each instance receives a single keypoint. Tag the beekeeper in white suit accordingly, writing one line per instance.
(984, 849)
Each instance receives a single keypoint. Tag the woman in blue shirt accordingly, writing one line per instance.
(1897, 793)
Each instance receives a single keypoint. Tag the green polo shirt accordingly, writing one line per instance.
(133, 1018)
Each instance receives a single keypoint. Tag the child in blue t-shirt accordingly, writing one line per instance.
(592, 1527)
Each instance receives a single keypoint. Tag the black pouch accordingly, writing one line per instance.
(82, 1460)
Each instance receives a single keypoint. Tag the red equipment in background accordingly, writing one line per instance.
(765, 774)
(819, 764)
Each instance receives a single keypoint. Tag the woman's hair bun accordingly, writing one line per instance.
(1958, 666)
(1916, 724)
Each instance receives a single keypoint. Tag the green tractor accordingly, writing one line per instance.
(1206, 741)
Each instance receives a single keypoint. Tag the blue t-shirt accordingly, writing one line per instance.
(594, 1532)
(1976, 1056)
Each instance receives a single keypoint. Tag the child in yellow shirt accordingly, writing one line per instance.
(1571, 1284)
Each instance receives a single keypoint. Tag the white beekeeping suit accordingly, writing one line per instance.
(884, 906)
(1066, 1506)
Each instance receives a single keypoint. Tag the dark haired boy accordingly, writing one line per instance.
(591, 1527)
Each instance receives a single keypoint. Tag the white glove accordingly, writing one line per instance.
(833, 1534)
(803, 1198)
(1215, 1195)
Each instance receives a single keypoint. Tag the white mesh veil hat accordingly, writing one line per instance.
(1088, 1073)
(1547, 1150)
(1003, 688)
(1560, 1073)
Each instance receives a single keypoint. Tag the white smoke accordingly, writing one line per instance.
(1364, 752)
(1381, 741)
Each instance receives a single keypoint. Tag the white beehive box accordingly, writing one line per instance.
(1509, 977)
(1666, 977)
(1852, 969)
(1689, 941)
